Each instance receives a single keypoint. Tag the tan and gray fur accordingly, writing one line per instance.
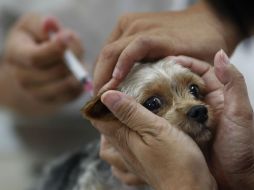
(164, 87)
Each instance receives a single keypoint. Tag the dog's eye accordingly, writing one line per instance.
(194, 90)
(153, 104)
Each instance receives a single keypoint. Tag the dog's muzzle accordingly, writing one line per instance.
(198, 113)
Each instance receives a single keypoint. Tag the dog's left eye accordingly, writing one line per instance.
(194, 90)
(153, 104)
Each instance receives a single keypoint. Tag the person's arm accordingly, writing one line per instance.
(34, 78)
(238, 12)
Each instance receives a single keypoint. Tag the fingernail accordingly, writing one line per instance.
(117, 74)
(111, 85)
(170, 58)
(224, 60)
(110, 99)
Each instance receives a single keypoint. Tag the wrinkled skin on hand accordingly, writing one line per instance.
(232, 152)
(232, 155)
(195, 32)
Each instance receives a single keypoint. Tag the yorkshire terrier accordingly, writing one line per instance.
(166, 89)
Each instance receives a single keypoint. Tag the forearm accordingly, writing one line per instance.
(241, 13)
(230, 32)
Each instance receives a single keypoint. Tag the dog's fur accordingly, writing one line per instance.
(165, 88)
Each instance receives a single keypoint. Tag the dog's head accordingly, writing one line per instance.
(168, 90)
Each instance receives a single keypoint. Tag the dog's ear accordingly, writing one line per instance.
(95, 109)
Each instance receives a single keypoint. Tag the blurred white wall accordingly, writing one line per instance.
(243, 59)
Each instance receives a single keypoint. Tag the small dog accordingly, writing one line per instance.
(166, 89)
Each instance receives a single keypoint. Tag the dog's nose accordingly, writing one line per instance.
(198, 113)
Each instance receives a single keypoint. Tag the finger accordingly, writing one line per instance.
(50, 24)
(58, 91)
(106, 62)
(29, 78)
(237, 103)
(111, 155)
(36, 25)
(127, 177)
(202, 69)
(132, 114)
(118, 135)
(44, 54)
(74, 43)
(38, 55)
(140, 48)
(115, 34)
(197, 66)
(212, 90)
(113, 46)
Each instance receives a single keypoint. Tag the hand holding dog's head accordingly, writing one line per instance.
(168, 90)
(147, 141)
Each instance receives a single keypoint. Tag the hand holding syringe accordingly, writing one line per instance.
(77, 69)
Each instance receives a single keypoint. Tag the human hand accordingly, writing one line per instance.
(232, 153)
(35, 64)
(159, 153)
(149, 36)
(118, 166)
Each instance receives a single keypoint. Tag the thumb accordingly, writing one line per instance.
(236, 100)
(38, 26)
(131, 113)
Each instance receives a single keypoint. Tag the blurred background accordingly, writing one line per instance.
(27, 143)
